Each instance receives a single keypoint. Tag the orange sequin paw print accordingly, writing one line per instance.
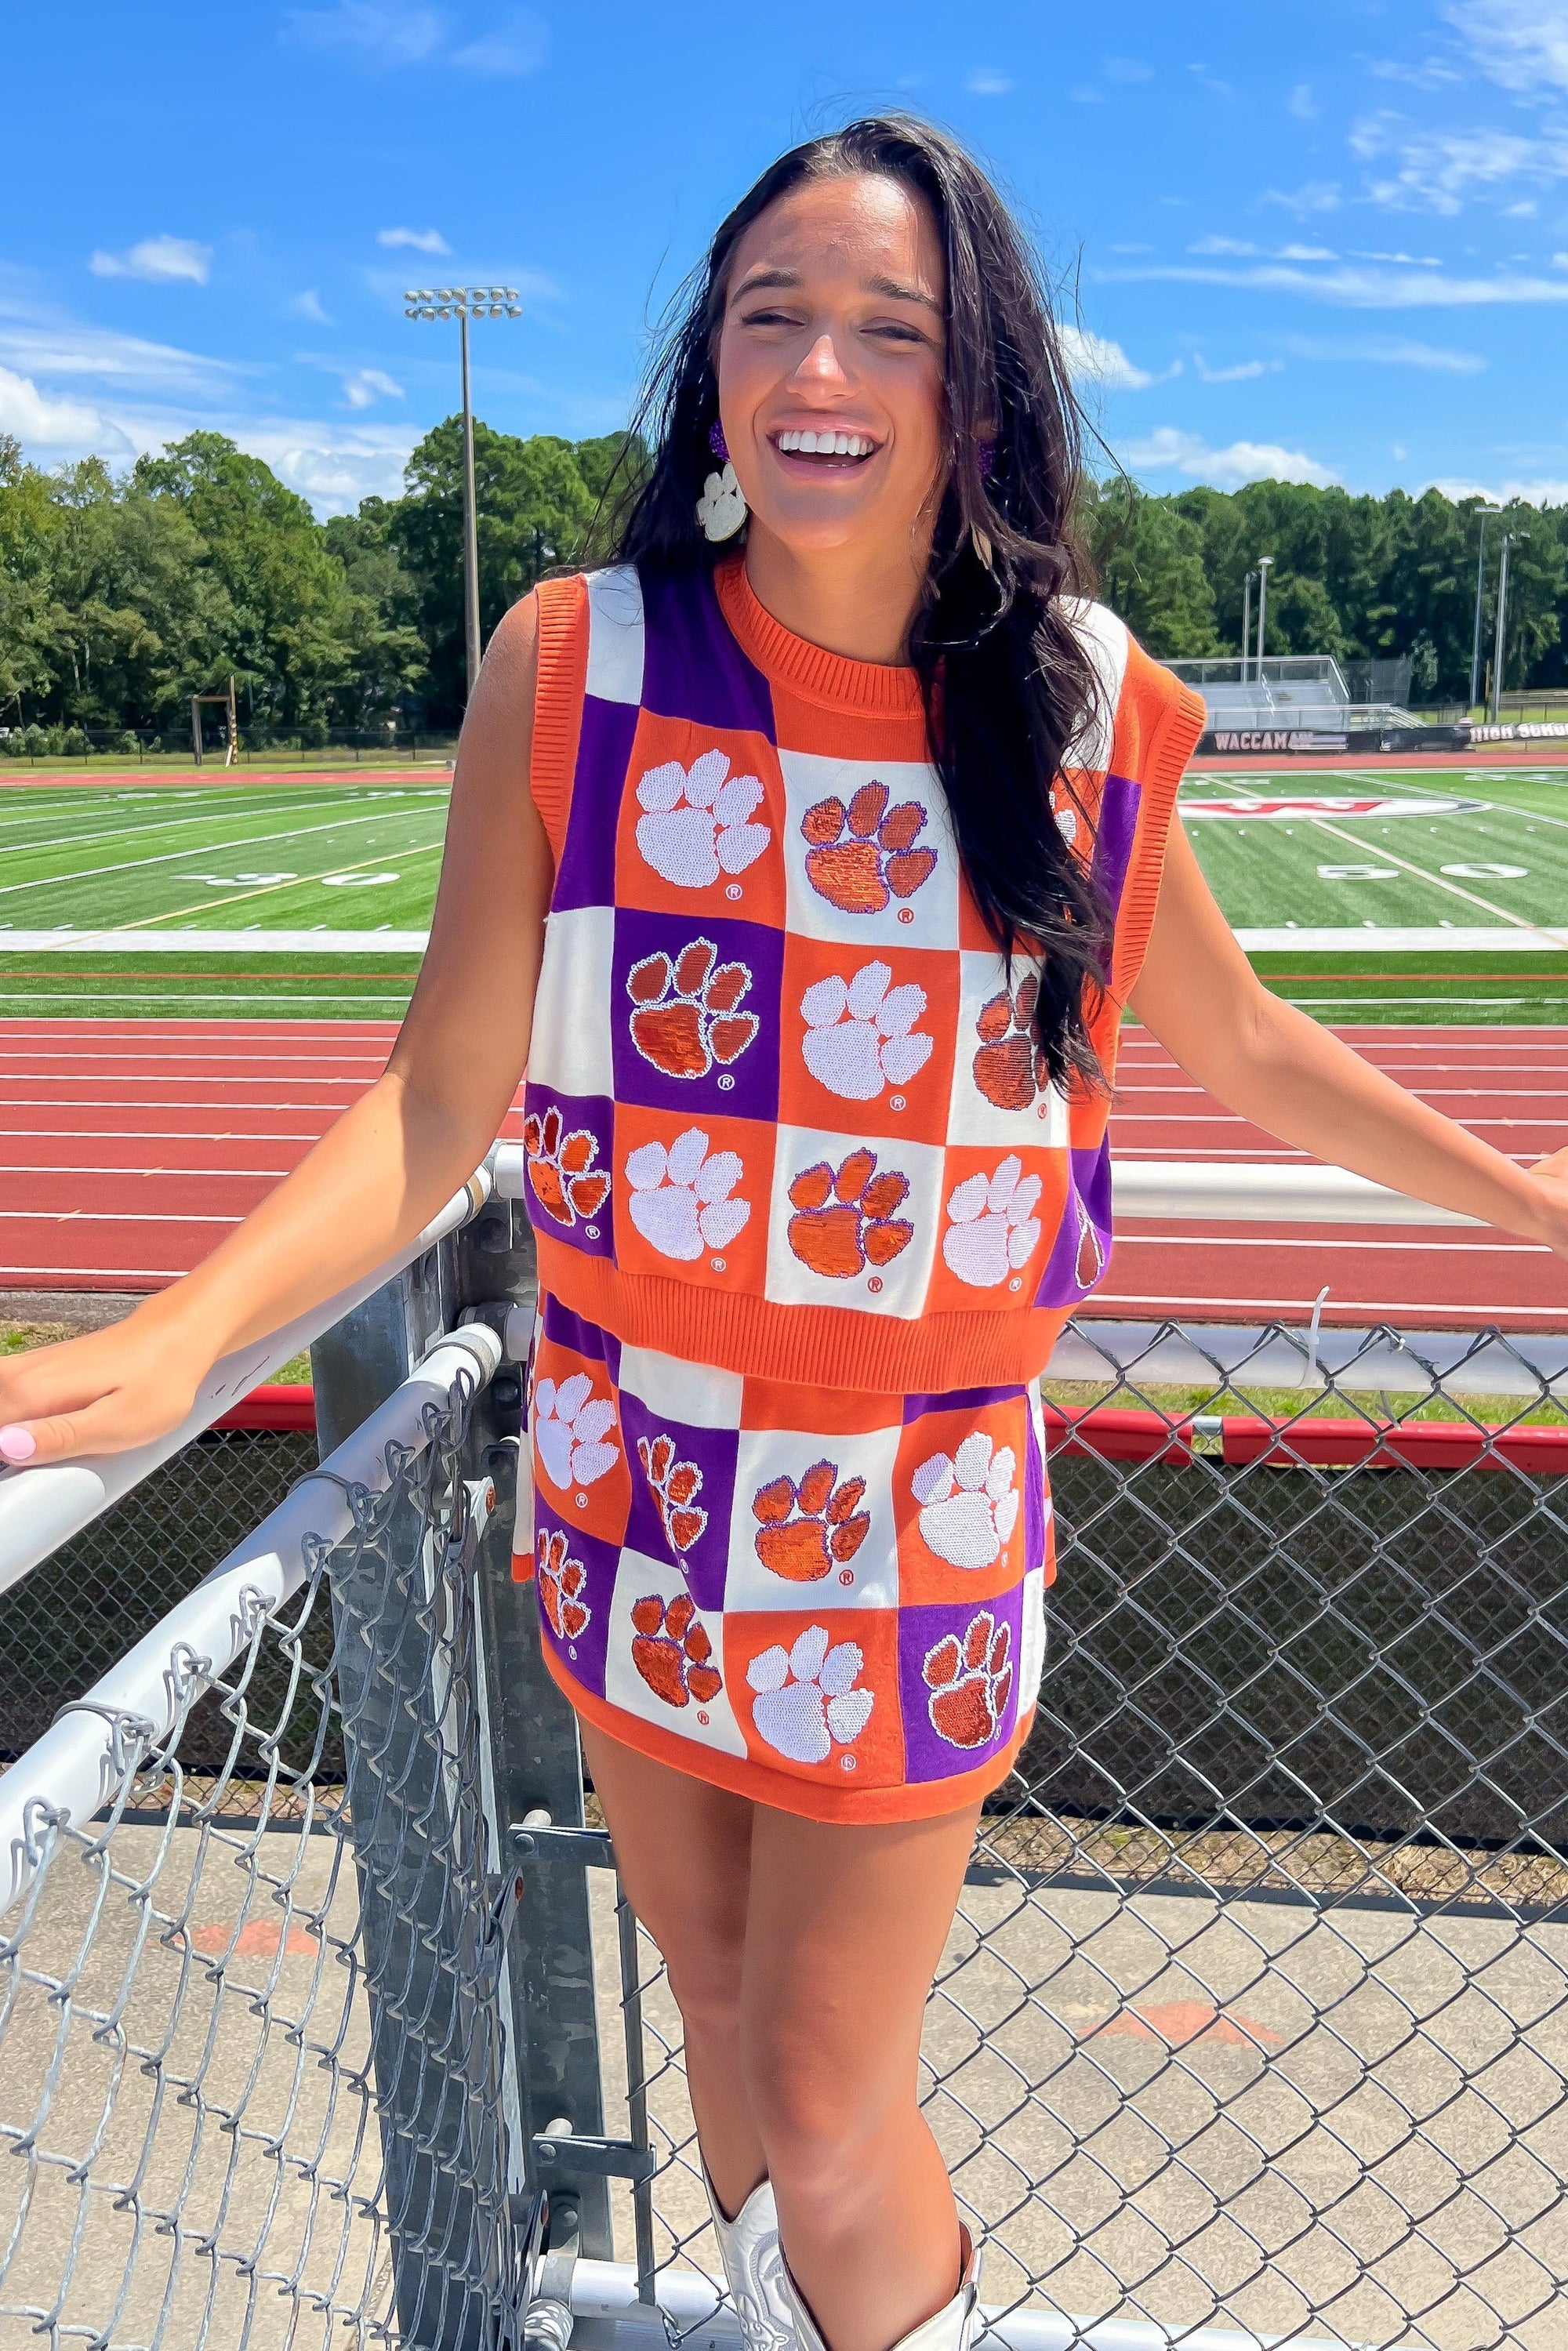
(971, 1681)
(844, 1222)
(561, 1582)
(672, 1652)
(861, 857)
(676, 1486)
(806, 1528)
(684, 1017)
(1010, 1068)
(566, 1182)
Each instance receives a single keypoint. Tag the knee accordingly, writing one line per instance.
(818, 2112)
(703, 1971)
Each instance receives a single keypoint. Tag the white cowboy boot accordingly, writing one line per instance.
(951, 2329)
(754, 2269)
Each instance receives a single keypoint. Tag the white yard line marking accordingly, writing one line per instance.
(1437, 881)
(139, 865)
(149, 824)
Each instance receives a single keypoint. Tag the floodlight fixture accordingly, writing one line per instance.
(465, 302)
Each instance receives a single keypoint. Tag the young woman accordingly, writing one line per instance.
(817, 848)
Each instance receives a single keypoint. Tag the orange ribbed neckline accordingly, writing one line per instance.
(880, 689)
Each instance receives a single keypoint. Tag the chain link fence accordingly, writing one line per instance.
(254, 2086)
(1253, 2024)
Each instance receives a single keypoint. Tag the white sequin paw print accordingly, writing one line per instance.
(968, 1503)
(806, 1701)
(569, 1428)
(1064, 808)
(695, 825)
(679, 1200)
(860, 1033)
(994, 1228)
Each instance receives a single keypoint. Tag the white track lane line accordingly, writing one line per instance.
(151, 1134)
(247, 1175)
(139, 864)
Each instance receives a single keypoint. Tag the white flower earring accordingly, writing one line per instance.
(722, 509)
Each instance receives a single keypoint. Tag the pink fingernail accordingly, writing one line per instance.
(17, 1445)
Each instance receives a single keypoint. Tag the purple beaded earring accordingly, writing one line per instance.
(721, 509)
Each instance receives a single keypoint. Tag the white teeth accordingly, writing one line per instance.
(825, 444)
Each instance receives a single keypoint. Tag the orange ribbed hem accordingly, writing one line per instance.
(558, 700)
(921, 1799)
(882, 689)
(812, 1346)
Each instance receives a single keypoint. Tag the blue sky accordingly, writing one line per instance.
(1326, 241)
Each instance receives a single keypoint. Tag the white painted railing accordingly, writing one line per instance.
(41, 1506)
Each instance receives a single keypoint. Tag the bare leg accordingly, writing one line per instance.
(844, 1931)
(683, 1851)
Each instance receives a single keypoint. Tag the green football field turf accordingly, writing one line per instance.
(1480, 854)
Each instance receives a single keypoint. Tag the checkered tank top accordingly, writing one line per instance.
(783, 1114)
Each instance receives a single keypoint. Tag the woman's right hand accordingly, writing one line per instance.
(103, 1392)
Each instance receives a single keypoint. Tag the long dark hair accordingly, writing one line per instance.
(1007, 684)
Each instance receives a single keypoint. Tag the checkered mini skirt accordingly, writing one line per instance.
(829, 1602)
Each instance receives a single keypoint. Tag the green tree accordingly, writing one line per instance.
(1150, 559)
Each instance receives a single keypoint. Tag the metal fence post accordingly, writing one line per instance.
(536, 1769)
(430, 1963)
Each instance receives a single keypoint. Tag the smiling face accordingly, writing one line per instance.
(831, 376)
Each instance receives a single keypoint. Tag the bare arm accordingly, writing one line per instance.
(387, 1166)
(1269, 1063)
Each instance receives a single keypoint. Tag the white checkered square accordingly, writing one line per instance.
(810, 1573)
(568, 1049)
(615, 634)
(698, 1393)
(832, 1252)
(708, 1721)
(995, 1099)
(896, 884)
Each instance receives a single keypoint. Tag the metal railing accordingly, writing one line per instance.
(1253, 2025)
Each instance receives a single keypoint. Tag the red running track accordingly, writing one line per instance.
(129, 1148)
(1508, 1085)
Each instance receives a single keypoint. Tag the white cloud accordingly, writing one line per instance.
(1094, 359)
(1170, 451)
(42, 423)
(373, 34)
(309, 305)
(1245, 373)
(1312, 197)
(45, 346)
(1306, 253)
(1237, 247)
(1129, 69)
(1536, 493)
(1357, 289)
(1387, 350)
(368, 385)
(1303, 103)
(418, 240)
(1401, 260)
(986, 81)
(1518, 42)
(1440, 171)
(165, 260)
(518, 45)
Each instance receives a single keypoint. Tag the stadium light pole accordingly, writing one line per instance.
(1510, 539)
(463, 303)
(1480, 575)
(1247, 625)
(1263, 563)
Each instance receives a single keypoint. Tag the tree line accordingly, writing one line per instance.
(122, 594)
